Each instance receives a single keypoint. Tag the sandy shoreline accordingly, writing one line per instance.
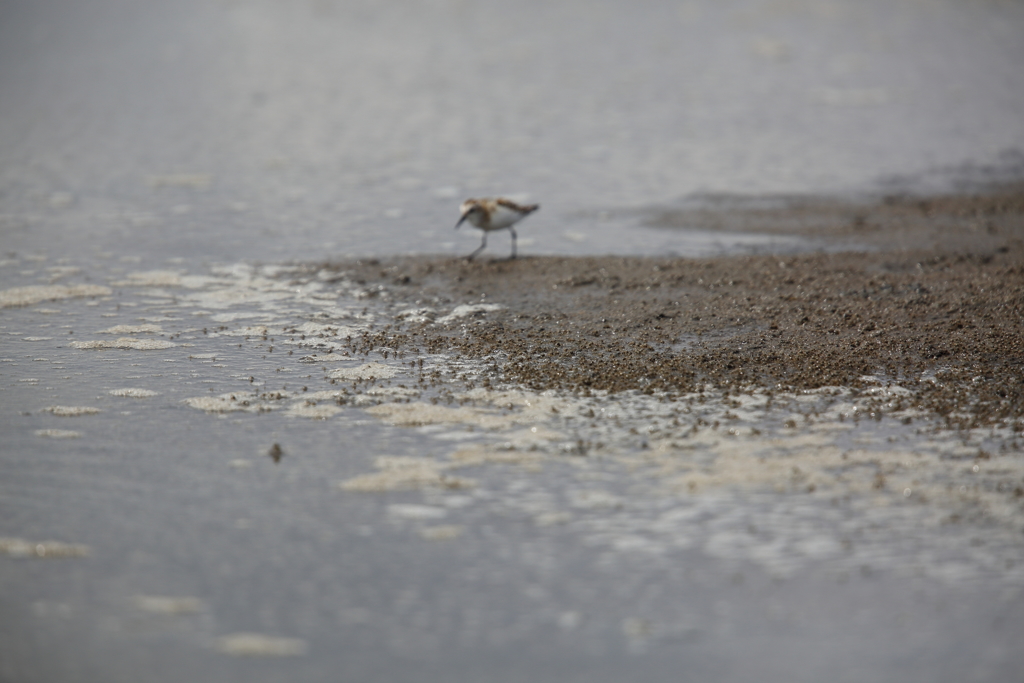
(936, 304)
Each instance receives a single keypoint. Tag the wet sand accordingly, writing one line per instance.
(924, 292)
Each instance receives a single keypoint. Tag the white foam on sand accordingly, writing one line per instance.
(365, 372)
(21, 548)
(239, 402)
(133, 329)
(33, 294)
(131, 343)
(72, 411)
(465, 310)
(260, 645)
(401, 473)
(129, 392)
(58, 433)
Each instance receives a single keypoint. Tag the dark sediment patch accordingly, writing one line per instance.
(945, 320)
(895, 221)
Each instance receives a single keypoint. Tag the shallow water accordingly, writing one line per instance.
(151, 155)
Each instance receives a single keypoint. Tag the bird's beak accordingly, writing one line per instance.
(461, 220)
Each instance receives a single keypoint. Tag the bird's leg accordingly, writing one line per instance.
(513, 231)
(483, 244)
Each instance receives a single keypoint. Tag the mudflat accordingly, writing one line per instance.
(927, 292)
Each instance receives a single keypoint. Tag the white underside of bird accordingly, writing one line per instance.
(494, 214)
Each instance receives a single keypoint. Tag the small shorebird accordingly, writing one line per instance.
(494, 214)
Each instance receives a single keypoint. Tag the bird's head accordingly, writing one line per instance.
(471, 210)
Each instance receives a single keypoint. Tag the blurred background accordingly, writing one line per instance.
(265, 129)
